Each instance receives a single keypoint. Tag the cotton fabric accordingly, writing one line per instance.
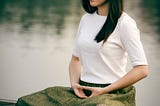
(106, 63)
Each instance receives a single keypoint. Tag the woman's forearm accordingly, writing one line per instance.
(74, 70)
(136, 74)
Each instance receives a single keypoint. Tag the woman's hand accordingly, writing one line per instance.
(95, 90)
(78, 90)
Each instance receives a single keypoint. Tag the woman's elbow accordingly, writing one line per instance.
(145, 73)
(142, 70)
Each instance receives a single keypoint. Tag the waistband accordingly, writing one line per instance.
(83, 83)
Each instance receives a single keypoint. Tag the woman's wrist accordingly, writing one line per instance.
(73, 84)
(106, 90)
(103, 91)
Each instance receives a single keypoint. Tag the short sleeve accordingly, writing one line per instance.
(130, 38)
(76, 51)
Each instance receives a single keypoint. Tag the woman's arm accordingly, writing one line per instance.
(133, 76)
(75, 72)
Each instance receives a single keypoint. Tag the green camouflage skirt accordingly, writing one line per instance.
(64, 96)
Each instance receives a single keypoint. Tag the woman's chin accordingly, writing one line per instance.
(93, 5)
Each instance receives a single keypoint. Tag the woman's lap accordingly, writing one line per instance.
(64, 96)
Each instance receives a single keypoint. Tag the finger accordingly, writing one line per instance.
(83, 97)
(79, 86)
(88, 88)
(83, 94)
(80, 94)
(92, 95)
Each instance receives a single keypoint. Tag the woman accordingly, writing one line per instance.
(97, 68)
(105, 35)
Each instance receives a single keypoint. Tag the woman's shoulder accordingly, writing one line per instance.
(87, 15)
(84, 19)
(126, 17)
(126, 20)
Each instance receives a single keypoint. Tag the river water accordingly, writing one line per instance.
(36, 41)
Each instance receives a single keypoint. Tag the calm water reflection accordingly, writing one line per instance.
(36, 39)
(28, 14)
(152, 12)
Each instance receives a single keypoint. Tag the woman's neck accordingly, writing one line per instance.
(103, 9)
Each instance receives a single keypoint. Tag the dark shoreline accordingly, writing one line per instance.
(152, 12)
(3, 103)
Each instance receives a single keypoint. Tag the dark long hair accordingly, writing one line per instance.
(115, 11)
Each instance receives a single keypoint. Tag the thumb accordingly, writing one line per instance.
(91, 95)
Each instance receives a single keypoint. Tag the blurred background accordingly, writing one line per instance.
(36, 41)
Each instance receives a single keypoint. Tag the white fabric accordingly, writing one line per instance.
(107, 63)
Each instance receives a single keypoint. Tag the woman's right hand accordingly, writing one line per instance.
(78, 90)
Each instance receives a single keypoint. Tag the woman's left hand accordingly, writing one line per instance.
(95, 90)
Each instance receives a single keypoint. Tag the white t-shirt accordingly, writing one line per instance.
(107, 63)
